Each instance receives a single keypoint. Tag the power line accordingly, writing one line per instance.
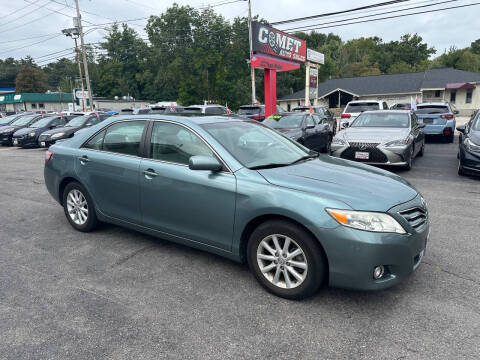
(306, 27)
(16, 11)
(32, 44)
(27, 13)
(28, 38)
(392, 17)
(339, 12)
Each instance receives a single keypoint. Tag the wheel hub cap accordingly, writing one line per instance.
(282, 261)
(77, 207)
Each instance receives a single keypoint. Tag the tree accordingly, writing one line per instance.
(475, 47)
(31, 79)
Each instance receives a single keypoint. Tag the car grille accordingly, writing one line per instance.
(416, 217)
(375, 154)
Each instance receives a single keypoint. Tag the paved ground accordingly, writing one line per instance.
(117, 294)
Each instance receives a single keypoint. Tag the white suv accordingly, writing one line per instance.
(355, 108)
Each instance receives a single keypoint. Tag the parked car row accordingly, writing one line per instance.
(39, 130)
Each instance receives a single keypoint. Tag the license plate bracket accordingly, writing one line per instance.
(362, 155)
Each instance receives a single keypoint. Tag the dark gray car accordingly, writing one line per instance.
(384, 137)
(321, 111)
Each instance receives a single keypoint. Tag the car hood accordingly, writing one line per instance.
(65, 129)
(15, 128)
(369, 134)
(291, 132)
(27, 130)
(360, 186)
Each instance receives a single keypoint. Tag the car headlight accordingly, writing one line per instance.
(365, 220)
(32, 134)
(338, 141)
(396, 143)
(57, 135)
(8, 130)
(471, 146)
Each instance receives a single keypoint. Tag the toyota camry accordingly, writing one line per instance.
(242, 190)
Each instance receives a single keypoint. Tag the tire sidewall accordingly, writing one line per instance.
(91, 222)
(317, 264)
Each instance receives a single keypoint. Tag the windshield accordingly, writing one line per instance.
(24, 120)
(393, 120)
(359, 107)
(249, 110)
(432, 109)
(9, 118)
(42, 122)
(78, 121)
(255, 145)
(284, 122)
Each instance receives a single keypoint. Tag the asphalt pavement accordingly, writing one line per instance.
(118, 294)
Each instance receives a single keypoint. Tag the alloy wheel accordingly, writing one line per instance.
(282, 261)
(77, 207)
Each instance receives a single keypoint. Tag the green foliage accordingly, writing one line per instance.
(31, 79)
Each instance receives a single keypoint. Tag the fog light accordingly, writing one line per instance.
(378, 272)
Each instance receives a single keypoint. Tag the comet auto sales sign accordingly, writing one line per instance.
(270, 41)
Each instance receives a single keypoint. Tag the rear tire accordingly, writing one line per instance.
(460, 170)
(271, 257)
(328, 147)
(450, 138)
(78, 207)
(422, 150)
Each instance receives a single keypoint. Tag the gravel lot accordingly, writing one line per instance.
(118, 294)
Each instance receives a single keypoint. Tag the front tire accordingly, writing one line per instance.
(460, 169)
(410, 159)
(78, 207)
(422, 150)
(286, 259)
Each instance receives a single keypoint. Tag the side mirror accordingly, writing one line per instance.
(346, 124)
(52, 126)
(456, 112)
(310, 127)
(461, 128)
(421, 126)
(200, 162)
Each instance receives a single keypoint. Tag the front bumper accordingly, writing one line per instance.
(353, 254)
(25, 141)
(6, 139)
(469, 161)
(45, 141)
(392, 156)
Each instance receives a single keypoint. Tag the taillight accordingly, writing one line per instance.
(258, 117)
(447, 116)
(346, 116)
(48, 156)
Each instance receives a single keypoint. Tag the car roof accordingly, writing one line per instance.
(365, 101)
(387, 112)
(180, 118)
(436, 103)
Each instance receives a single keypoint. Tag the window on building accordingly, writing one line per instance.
(453, 96)
(289, 107)
(437, 93)
(34, 106)
(468, 100)
(41, 106)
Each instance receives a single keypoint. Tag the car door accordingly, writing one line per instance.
(323, 129)
(109, 166)
(311, 137)
(190, 204)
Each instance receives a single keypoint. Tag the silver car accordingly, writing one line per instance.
(383, 137)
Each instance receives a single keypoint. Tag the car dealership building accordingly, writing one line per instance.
(458, 87)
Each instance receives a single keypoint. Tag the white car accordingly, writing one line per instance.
(356, 107)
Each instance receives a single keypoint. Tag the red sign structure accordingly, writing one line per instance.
(275, 51)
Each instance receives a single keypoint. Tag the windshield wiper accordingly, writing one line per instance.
(268, 166)
(303, 158)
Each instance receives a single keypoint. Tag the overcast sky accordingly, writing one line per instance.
(37, 23)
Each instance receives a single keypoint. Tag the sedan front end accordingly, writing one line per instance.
(393, 153)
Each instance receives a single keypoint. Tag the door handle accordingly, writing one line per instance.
(84, 159)
(150, 173)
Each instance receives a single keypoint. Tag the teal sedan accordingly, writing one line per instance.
(242, 190)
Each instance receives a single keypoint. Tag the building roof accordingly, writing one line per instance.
(35, 97)
(391, 83)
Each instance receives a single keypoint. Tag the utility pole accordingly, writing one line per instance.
(74, 34)
(84, 52)
(252, 70)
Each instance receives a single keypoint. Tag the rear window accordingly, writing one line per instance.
(432, 109)
(284, 122)
(249, 110)
(192, 110)
(359, 107)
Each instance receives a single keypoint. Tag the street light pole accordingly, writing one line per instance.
(77, 55)
(84, 53)
(252, 70)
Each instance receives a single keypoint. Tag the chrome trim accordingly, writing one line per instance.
(150, 159)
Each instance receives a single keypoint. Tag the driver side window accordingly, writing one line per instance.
(309, 121)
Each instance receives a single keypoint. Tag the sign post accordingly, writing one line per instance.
(274, 50)
(314, 59)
